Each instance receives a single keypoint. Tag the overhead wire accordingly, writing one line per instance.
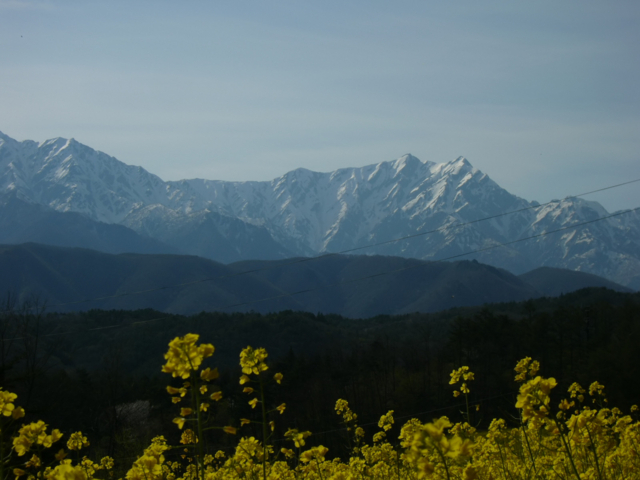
(419, 263)
(570, 227)
(295, 261)
(307, 259)
(419, 414)
(396, 417)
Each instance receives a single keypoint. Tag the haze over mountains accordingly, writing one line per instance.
(356, 286)
(303, 213)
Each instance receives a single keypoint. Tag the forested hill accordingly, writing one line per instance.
(72, 279)
(538, 325)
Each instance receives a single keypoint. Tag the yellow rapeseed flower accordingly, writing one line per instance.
(287, 452)
(6, 402)
(436, 429)
(297, 437)
(566, 405)
(179, 421)
(106, 463)
(526, 368)
(463, 374)
(77, 441)
(316, 453)
(208, 375)
(342, 408)
(252, 361)
(188, 437)
(386, 421)
(533, 398)
(185, 356)
(34, 462)
(67, 471)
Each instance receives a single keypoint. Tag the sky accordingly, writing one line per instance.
(542, 96)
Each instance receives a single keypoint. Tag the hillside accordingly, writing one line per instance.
(553, 282)
(73, 279)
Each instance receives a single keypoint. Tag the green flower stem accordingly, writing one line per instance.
(264, 430)
(444, 459)
(533, 460)
(505, 470)
(319, 469)
(195, 395)
(2, 474)
(566, 446)
(595, 453)
(466, 399)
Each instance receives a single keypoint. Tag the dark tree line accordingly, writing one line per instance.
(98, 371)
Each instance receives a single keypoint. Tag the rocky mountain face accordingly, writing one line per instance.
(304, 213)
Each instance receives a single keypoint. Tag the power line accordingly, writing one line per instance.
(359, 279)
(451, 257)
(411, 415)
(342, 252)
(459, 225)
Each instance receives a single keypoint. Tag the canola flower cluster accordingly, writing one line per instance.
(24, 449)
(577, 438)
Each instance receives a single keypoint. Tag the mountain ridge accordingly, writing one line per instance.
(356, 286)
(306, 213)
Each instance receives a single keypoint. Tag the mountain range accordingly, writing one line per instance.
(439, 207)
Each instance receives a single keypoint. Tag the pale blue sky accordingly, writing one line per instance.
(542, 96)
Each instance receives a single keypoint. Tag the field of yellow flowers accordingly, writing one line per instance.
(575, 436)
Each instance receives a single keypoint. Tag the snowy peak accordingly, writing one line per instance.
(459, 166)
(307, 213)
(321, 210)
(6, 138)
(407, 164)
(68, 176)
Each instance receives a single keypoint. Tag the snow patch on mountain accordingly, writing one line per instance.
(308, 213)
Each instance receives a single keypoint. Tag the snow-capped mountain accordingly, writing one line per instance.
(307, 213)
(69, 176)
